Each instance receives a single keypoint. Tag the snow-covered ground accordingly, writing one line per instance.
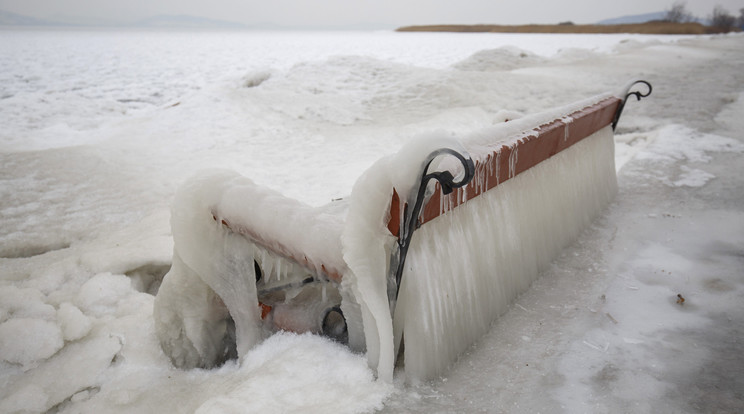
(100, 127)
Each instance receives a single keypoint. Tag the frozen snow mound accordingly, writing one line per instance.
(503, 58)
(431, 246)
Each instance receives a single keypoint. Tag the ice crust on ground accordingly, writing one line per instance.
(328, 366)
(87, 177)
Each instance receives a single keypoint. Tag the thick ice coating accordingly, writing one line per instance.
(463, 268)
(466, 266)
(213, 280)
(368, 245)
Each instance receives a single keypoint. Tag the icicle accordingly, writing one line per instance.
(513, 157)
(442, 204)
(566, 122)
(464, 268)
(268, 263)
(497, 167)
(278, 267)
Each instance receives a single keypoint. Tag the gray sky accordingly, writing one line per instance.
(343, 12)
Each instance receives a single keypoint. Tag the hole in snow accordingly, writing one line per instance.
(334, 325)
(229, 343)
(254, 79)
(147, 278)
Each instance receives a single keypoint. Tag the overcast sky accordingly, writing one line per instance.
(348, 12)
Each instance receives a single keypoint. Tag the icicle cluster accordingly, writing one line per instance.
(222, 224)
(465, 267)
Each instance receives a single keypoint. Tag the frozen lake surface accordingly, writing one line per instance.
(100, 128)
(76, 80)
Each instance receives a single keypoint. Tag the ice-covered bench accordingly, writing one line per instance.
(430, 247)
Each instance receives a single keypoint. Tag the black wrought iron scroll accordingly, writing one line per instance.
(410, 220)
(638, 96)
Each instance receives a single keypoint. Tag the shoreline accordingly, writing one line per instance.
(655, 27)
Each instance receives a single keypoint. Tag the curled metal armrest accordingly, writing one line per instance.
(410, 216)
(628, 93)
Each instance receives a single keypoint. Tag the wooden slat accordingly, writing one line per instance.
(311, 264)
(508, 161)
(548, 140)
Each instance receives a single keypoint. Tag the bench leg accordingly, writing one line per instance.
(192, 322)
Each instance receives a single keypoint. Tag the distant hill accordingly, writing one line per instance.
(175, 22)
(163, 21)
(13, 19)
(636, 18)
(184, 21)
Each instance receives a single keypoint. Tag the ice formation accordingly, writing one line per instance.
(466, 266)
(250, 257)
(451, 290)
(219, 220)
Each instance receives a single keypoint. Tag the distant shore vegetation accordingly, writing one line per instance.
(641, 28)
(677, 21)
